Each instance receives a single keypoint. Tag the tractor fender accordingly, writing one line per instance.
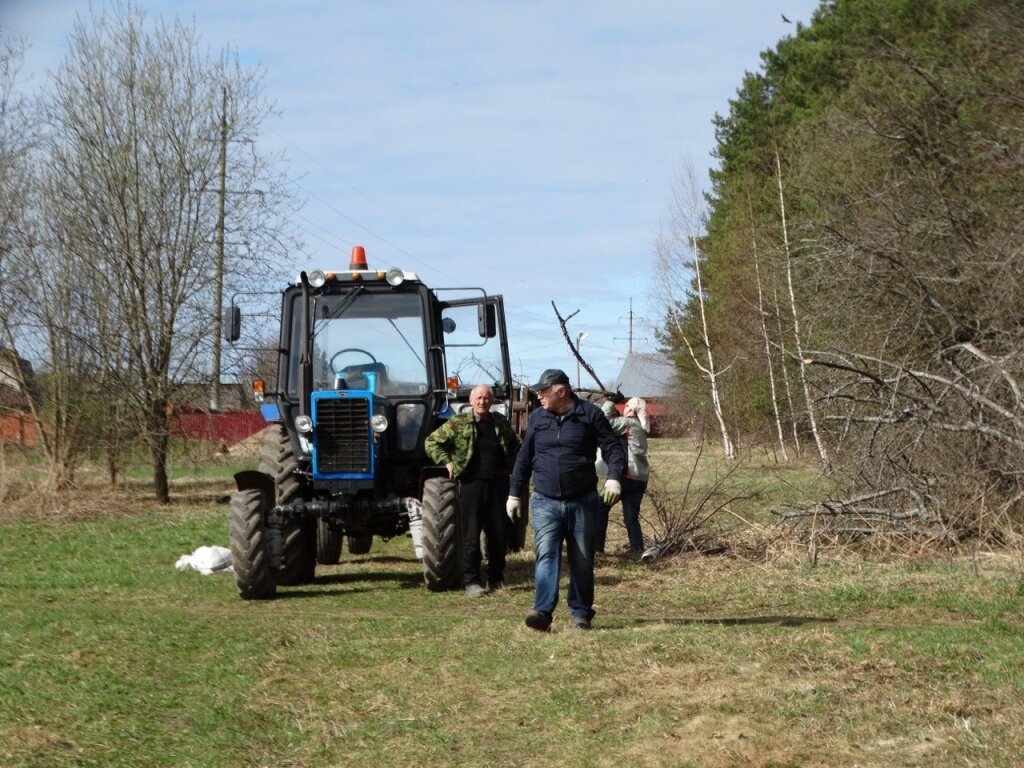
(252, 480)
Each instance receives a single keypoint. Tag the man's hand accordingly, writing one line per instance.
(514, 509)
(612, 492)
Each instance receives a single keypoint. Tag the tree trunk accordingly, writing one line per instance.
(712, 374)
(767, 347)
(159, 437)
(785, 372)
(826, 462)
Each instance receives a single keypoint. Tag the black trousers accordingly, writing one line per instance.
(482, 508)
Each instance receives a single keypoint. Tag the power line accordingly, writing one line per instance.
(487, 266)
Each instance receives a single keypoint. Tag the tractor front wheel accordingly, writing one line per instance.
(442, 535)
(298, 537)
(328, 543)
(360, 545)
(250, 553)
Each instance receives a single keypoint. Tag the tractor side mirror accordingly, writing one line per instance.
(232, 326)
(487, 321)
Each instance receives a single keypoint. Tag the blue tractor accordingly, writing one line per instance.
(368, 364)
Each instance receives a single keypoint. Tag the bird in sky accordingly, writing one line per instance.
(785, 19)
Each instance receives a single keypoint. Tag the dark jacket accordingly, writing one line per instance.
(559, 452)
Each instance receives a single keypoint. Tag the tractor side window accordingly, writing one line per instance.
(474, 358)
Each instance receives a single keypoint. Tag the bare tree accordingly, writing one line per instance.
(685, 221)
(133, 145)
(787, 387)
(761, 313)
(826, 462)
(14, 146)
(42, 313)
(14, 142)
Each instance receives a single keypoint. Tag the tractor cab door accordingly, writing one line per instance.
(475, 346)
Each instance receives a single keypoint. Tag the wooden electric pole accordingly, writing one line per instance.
(218, 301)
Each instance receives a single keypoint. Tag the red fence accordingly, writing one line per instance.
(228, 427)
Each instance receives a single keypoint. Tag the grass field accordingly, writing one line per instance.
(111, 657)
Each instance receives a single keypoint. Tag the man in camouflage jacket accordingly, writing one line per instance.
(479, 449)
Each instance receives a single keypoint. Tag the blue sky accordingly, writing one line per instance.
(529, 148)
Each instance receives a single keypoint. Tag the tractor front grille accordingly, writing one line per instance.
(343, 436)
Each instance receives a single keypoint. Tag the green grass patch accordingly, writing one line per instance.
(111, 657)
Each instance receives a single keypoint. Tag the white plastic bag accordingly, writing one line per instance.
(207, 560)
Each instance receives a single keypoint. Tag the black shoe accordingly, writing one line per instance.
(538, 620)
(579, 622)
(494, 586)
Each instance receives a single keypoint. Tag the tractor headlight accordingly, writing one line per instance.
(317, 278)
(378, 422)
(304, 424)
(395, 277)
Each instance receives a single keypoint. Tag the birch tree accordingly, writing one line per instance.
(769, 364)
(672, 248)
(826, 462)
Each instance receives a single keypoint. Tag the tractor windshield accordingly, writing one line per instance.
(364, 339)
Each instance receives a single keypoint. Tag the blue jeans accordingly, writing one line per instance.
(575, 522)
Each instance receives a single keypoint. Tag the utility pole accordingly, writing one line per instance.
(631, 325)
(630, 337)
(218, 301)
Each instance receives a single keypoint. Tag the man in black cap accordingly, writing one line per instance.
(559, 449)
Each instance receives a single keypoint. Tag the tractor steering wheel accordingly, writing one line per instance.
(341, 352)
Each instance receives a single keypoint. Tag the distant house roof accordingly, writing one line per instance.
(647, 374)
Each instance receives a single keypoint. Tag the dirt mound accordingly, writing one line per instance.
(248, 448)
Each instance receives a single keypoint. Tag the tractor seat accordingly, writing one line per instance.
(354, 376)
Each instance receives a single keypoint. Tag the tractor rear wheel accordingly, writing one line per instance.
(277, 459)
(250, 554)
(360, 545)
(442, 535)
(298, 562)
(328, 543)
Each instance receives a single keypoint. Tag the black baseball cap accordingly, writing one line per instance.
(549, 378)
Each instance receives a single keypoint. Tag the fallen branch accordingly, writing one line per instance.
(562, 321)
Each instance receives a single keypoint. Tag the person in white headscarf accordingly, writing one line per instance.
(634, 484)
(637, 406)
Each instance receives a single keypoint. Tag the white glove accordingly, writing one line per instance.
(514, 508)
(612, 492)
